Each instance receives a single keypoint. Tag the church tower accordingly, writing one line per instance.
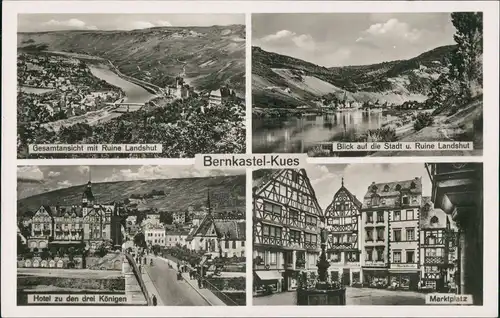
(87, 197)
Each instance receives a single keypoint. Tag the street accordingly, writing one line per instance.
(172, 292)
(354, 296)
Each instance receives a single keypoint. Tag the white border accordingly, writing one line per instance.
(490, 154)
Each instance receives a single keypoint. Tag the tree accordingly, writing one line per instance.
(166, 218)
(467, 59)
(140, 240)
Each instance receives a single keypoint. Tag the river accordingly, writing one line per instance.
(134, 93)
(298, 135)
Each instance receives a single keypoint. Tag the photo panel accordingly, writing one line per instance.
(130, 85)
(368, 84)
(130, 236)
(368, 234)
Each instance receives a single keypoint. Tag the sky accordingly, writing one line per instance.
(73, 21)
(57, 177)
(327, 179)
(341, 39)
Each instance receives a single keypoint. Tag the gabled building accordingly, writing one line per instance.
(41, 228)
(220, 237)
(68, 225)
(437, 247)
(342, 218)
(286, 217)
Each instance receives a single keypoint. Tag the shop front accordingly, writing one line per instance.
(290, 280)
(404, 276)
(375, 277)
(267, 282)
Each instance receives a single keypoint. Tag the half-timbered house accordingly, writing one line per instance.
(41, 228)
(343, 249)
(437, 247)
(285, 228)
(68, 225)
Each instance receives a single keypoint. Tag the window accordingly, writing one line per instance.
(406, 200)
(369, 217)
(311, 238)
(380, 234)
(396, 256)
(243, 243)
(409, 215)
(369, 235)
(273, 209)
(413, 185)
(234, 244)
(311, 220)
(397, 215)
(397, 235)
(272, 259)
(386, 188)
(380, 216)
(380, 254)
(369, 254)
(293, 214)
(434, 252)
(226, 244)
(375, 200)
(294, 236)
(335, 257)
(295, 176)
(434, 220)
(272, 231)
(398, 187)
(410, 234)
(410, 256)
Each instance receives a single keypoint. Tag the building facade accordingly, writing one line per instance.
(175, 237)
(457, 189)
(88, 224)
(286, 228)
(342, 218)
(391, 229)
(437, 248)
(154, 234)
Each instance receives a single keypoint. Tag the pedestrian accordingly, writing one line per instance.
(199, 282)
(155, 301)
(140, 269)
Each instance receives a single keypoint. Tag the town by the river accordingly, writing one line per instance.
(294, 134)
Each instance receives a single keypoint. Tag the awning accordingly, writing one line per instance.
(268, 275)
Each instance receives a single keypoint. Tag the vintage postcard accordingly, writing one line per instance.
(335, 84)
(369, 234)
(130, 85)
(130, 235)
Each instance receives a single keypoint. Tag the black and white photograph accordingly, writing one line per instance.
(319, 78)
(130, 235)
(175, 80)
(368, 234)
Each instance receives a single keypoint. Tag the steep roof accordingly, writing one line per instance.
(351, 196)
(388, 189)
(431, 217)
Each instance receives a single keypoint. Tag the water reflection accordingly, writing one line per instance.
(294, 134)
(134, 93)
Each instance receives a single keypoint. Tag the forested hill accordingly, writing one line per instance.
(207, 57)
(178, 194)
(284, 81)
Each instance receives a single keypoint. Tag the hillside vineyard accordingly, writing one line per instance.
(178, 89)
